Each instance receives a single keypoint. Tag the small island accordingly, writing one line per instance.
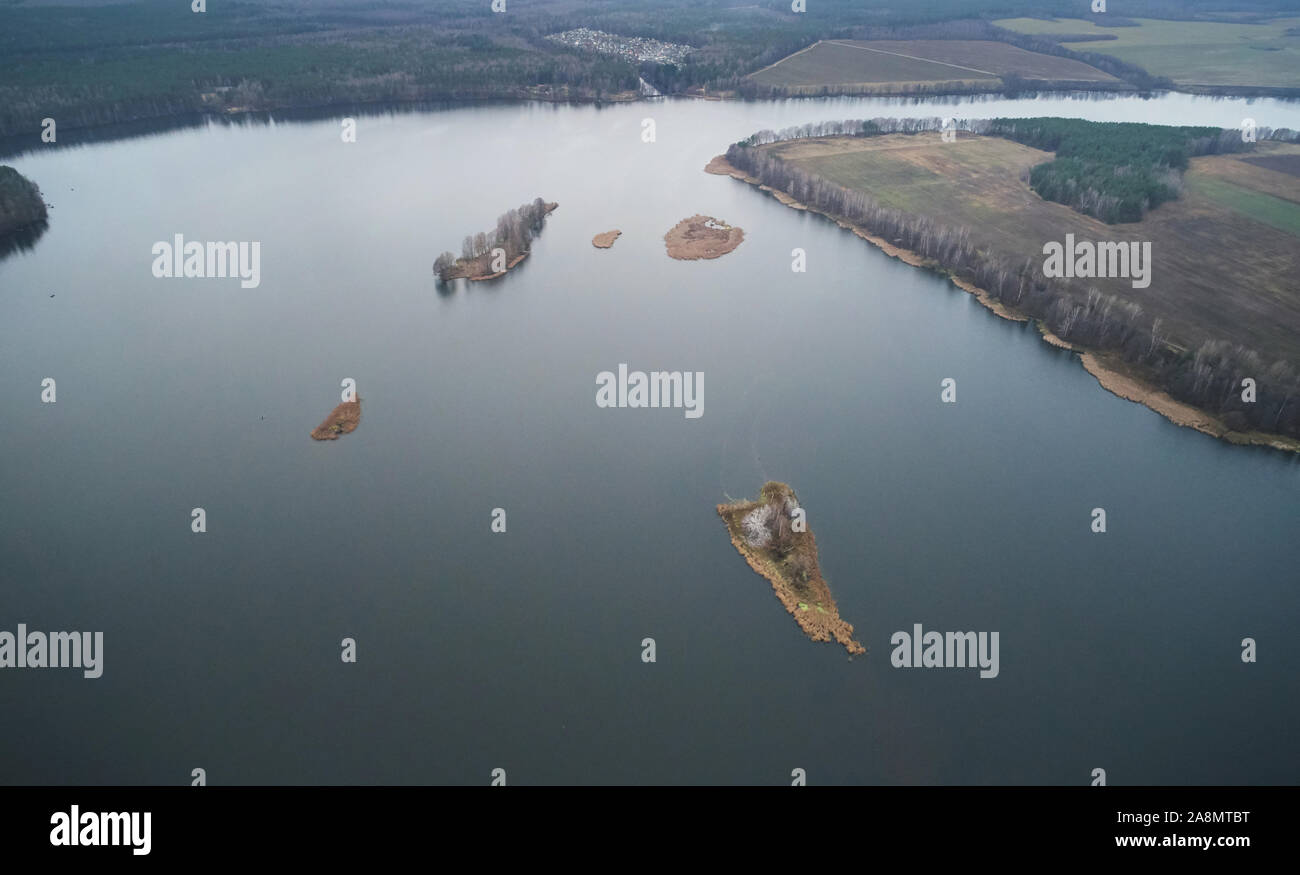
(489, 254)
(343, 420)
(606, 239)
(21, 204)
(702, 237)
(767, 532)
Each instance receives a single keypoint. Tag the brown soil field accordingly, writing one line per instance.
(701, 236)
(961, 64)
(809, 602)
(1272, 169)
(1288, 164)
(990, 57)
(343, 420)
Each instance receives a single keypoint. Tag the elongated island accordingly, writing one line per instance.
(489, 254)
(770, 534)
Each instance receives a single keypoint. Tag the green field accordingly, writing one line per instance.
(840, 63)
(1272, 211)
(1189, 52)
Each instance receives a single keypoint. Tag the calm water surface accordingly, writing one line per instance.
(523, 650)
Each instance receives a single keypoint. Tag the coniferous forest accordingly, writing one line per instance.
(1113, 171)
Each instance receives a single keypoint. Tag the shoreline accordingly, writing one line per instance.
(1111, 377)
(491, 276)
(14, 142)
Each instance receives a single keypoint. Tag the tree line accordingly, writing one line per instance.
(1208, 375)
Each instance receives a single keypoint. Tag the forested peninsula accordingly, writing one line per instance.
(21, 204)
(1209, 337)
(489, 254)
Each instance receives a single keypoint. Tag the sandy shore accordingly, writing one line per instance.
(605, 239)
(1112, 379)
(343, 420)
(491, 276)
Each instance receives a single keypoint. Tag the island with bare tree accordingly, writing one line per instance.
(772, 535)
(489, 254)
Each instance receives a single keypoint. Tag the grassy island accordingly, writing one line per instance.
(769, 532)
(702, 237)
(21, 203)
(605, 239)
(343, 420)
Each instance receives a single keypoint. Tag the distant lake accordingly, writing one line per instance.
(522, 651)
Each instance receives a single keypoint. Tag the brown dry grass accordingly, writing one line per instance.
(692, 238)
(343, 420)
(605, 239)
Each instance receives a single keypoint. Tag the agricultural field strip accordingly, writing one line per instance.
(1189, 52)
(787, 58)
(910, 57)
(861, 62)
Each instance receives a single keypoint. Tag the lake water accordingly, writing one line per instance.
(522, 650)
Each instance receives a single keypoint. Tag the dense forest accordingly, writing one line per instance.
(513, 235)
(1113, 171)
(91, 64)
(21, 204)
(1205, 372)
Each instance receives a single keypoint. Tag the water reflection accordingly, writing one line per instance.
(22, 239)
